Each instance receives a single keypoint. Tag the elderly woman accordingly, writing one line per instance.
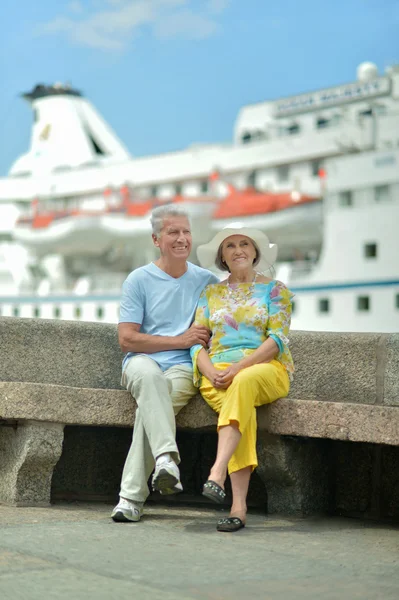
(248, 362)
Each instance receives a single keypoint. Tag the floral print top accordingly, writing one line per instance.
(241, 321)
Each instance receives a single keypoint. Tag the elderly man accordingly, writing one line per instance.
(155, 330)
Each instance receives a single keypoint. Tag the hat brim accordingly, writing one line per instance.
(207, 253)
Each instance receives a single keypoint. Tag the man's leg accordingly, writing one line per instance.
(166, 477)
(182, 389)
(154, 428)
(142, 378)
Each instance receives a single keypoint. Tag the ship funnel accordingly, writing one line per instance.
(67, 133)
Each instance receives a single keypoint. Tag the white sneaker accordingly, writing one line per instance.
(166, 478)
(176, 489)
(127, 511)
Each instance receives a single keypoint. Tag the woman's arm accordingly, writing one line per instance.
(264, 354)
(206, 368)
(202, 364)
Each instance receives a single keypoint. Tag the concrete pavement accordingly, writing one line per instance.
(76, 552)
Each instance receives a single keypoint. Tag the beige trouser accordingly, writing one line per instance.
(159, 396)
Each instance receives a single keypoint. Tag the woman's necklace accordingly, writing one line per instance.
(236, 294)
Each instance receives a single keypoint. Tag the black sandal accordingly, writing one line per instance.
(213, 491)
(230, 524)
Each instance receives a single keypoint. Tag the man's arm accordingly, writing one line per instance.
(131, 340)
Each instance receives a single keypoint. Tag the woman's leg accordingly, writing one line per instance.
(228, 439)
(239, 485)
(236, 427)
(252, 387)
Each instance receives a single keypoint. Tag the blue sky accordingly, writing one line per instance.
(167, 73)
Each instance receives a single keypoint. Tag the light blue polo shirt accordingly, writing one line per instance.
(163, 305)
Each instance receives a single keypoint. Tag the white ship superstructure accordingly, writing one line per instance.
(354, 286)
(84, 203)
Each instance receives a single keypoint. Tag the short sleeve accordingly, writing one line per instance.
(201, 318)
(213, 279)
(132, 302)
(279, 321)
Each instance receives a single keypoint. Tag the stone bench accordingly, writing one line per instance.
(55, 374)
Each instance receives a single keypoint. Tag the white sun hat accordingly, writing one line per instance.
(268, 252)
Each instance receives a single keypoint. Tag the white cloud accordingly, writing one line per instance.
(216, 7)
(112, 24)
(75, 7)
(185, 24)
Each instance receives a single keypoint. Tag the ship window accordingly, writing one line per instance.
(36, 312)
(178, 189)
(293, 129)
(100, 312)
(15, 311)
(324, 305)
(293, 306)
(62, 168)
(246, 137)
(397, 300)
(382, 193)
(322, 123)
(346, 198)
(283, 172)
(315, 167)
(97, 149)
(154, 191)
(370, 250)
(251, 179)
(56, 312)
(204, 187)
(366, 113)
(21, 174)
(363, 303)
(78, 312)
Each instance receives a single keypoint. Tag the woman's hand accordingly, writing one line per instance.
(212, 375)
(223, 379)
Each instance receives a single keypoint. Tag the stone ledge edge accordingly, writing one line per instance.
(113, 408)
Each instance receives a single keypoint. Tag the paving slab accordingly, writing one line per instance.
(76, 552)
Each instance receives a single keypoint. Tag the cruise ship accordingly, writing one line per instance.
(318, 172)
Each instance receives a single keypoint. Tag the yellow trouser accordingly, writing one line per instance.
(251, 387)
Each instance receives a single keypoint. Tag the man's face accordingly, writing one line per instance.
(175, 240)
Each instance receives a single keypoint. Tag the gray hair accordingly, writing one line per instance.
(222, 266)
(159, 214)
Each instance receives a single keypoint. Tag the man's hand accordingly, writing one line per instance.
(197, 334)
(223, 379)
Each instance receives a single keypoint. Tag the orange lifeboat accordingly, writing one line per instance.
(251, 202)
(244, 203)
(43, 220)
(139, 209)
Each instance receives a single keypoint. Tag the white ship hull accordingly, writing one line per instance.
(318, 172)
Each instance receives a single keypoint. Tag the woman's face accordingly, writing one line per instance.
(238, 252)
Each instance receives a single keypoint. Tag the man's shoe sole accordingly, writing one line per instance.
(171, 491)
(119, 517)
(165, 483)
